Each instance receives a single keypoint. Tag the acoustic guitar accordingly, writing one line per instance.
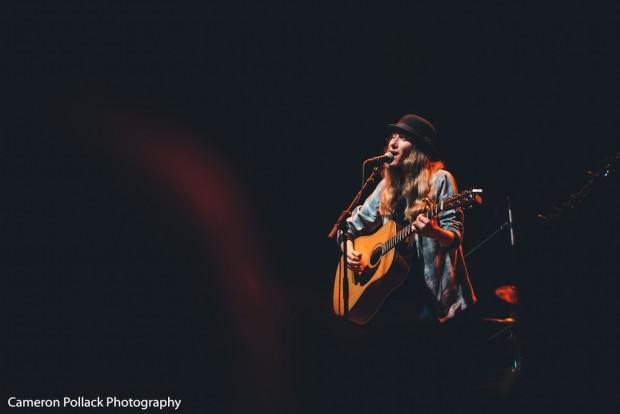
(358, 296)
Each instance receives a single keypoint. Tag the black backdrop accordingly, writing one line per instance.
(105, 285)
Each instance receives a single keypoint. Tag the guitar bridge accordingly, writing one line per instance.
(364, 277)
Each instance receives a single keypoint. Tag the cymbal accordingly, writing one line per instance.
(501, 320)
(508, 293)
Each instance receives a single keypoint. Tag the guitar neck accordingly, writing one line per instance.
(397, 239)
(408, 230)
(464, 199)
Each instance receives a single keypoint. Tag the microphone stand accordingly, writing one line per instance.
(341, 225)
(514, 327)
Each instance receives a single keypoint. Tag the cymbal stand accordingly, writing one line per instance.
(511, 327)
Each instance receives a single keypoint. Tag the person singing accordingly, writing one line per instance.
(438, 285)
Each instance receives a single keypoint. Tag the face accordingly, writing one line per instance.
(400, 146)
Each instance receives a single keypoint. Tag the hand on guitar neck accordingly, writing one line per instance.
(428, 227)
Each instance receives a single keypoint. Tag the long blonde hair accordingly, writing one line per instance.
(412, 180)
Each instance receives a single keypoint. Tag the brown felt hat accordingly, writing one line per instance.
(420, 130)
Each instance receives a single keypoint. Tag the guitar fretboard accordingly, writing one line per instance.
(399, 237)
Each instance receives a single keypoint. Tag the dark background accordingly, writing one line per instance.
(106, 289)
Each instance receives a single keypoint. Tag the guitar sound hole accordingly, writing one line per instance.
(375, 257)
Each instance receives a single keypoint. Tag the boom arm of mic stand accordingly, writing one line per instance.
(489, 237)
(340, 223)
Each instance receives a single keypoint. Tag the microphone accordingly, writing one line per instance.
(387, 157)
(512, 230)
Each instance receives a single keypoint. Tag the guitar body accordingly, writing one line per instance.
(381, 275)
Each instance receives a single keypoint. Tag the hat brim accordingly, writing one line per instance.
(403, 128)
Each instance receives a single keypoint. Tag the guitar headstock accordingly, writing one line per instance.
(464, 199)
